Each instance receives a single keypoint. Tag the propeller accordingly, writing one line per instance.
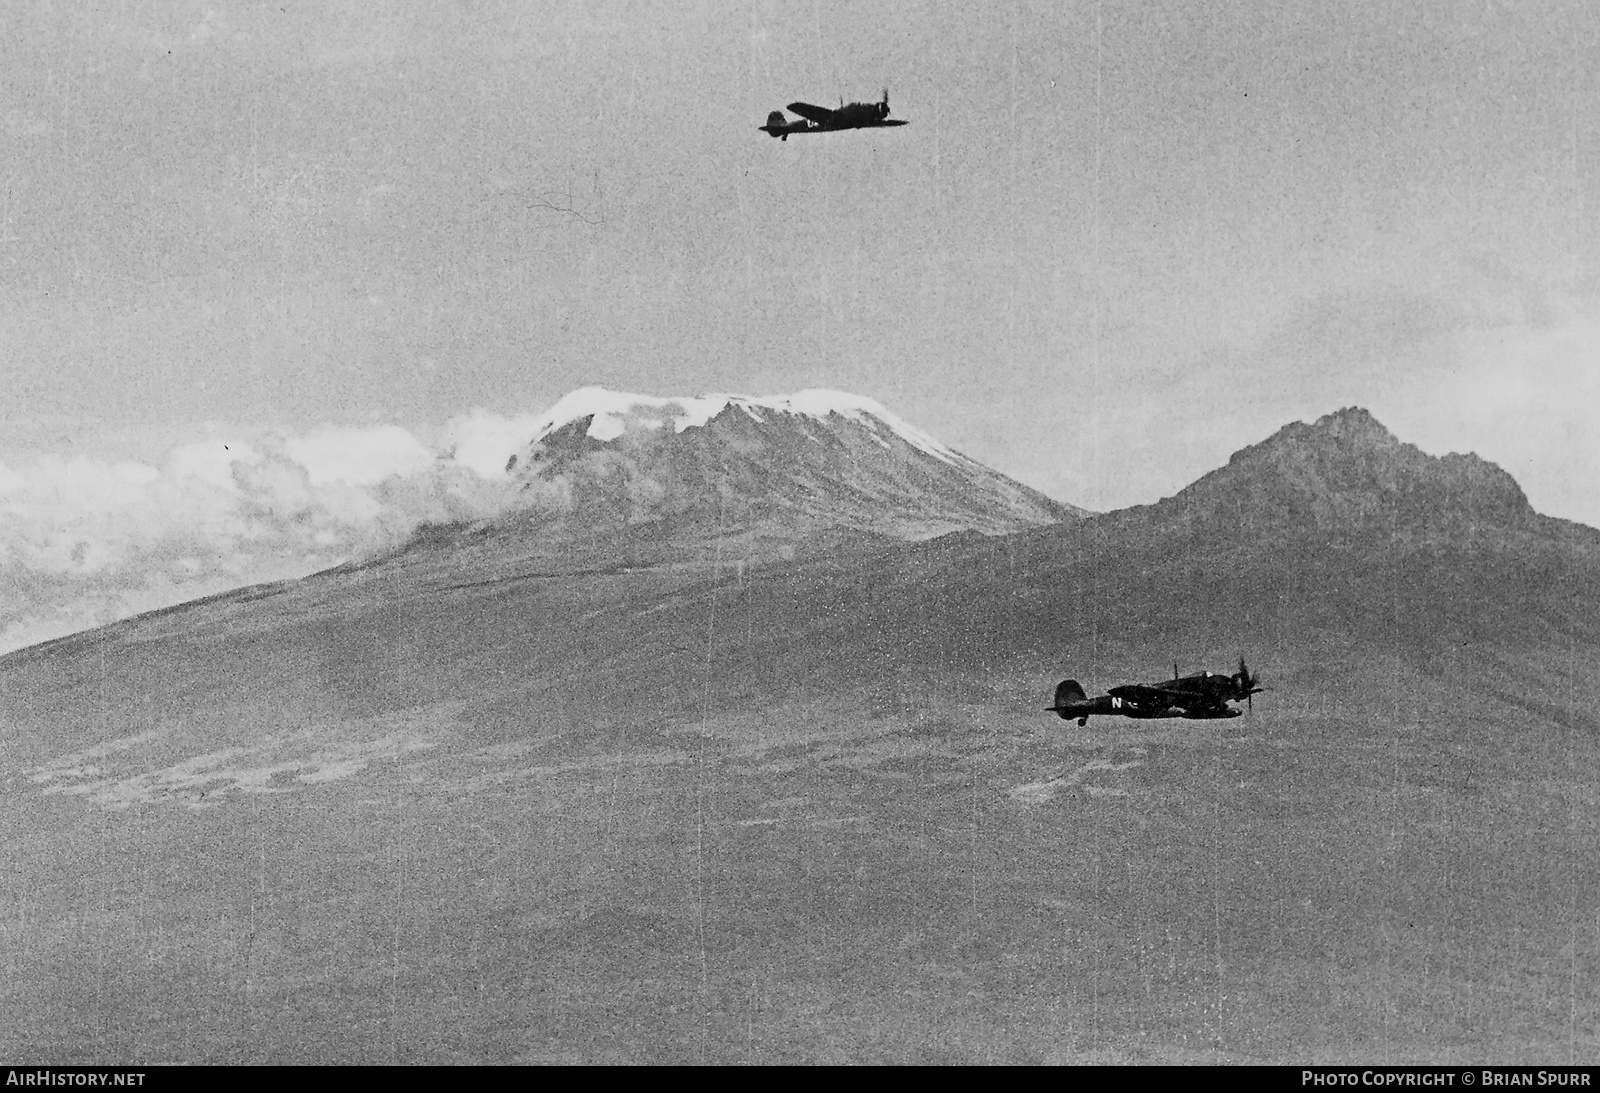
(1245, 684)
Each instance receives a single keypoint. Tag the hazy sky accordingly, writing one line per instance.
(1117, 241)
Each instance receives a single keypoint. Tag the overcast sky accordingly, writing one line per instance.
(1117, 242)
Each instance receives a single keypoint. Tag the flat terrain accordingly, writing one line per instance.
(775, 816)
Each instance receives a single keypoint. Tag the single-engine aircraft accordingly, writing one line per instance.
(1203, 697)
(819, 119)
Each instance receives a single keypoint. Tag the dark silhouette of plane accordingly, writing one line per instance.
(819, 119)
(1200, 697)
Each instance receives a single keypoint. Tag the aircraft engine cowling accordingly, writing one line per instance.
(776, 119)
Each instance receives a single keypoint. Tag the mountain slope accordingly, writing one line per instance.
(446, 808)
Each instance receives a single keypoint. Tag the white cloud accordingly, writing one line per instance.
(85, 541)
(482, 441)
(359, 456)
(210, 462)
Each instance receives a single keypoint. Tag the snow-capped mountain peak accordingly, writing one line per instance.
(784, 468)
(612, 413)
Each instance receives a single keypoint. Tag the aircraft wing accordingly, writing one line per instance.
(1204, 705)
(818, 114)
(1147, 695)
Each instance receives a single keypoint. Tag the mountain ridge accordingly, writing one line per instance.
(1336, 483)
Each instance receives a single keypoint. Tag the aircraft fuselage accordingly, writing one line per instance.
(1143, 703)
(820, 119)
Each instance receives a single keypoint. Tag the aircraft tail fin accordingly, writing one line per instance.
(1069, 691)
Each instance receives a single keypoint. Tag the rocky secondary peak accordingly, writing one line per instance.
(1346, 470)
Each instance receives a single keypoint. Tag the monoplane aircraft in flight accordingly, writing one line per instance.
(1204, 696)
(819, 119)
